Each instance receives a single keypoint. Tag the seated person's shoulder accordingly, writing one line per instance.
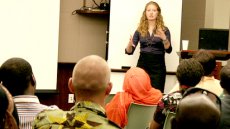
(66, 119)
(48, 117)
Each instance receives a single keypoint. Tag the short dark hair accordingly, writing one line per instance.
(207, 60)
(15, 75)
(189, 72)
(225, 78)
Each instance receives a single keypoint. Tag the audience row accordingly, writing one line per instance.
(195, 100)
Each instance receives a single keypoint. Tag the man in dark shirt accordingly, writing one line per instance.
(189, 73)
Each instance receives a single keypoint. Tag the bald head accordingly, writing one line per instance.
(197, 111)
(91, 73)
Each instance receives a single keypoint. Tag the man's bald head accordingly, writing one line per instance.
(197, 111)
(91, 73)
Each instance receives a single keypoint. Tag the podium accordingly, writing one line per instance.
(219, 55)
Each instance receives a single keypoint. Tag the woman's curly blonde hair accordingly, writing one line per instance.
(143, 25)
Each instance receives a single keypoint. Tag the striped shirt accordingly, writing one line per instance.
(28, 106)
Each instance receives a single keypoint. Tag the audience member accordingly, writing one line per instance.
(189, 73)
(208, 81)
(17, 76)
(91, 84)
(225, 83)
(7, 118)
(208, 62)
(137, 88)
(198, 109)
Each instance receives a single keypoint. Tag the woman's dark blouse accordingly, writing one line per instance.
(151, 44)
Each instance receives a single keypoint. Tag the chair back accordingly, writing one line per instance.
(140, 116)
(168, 119)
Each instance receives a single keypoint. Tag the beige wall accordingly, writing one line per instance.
(193, 15)
(203, 13)
(80, 35)
(217, 14)
(221, 14)
(209, 11)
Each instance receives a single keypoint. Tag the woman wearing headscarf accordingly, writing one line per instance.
(136, 88)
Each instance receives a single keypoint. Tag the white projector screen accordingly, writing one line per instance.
(124, 18)
(29, 29)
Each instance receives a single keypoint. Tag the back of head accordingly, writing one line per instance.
(225, 78)
(137, 83)
(207, 60)
(196, 111)
(91, 75)
(136, 80)
(189, 72)
(16, 74)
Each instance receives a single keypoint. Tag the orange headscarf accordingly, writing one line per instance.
(137, 88)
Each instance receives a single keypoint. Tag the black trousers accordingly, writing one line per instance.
(154, 65)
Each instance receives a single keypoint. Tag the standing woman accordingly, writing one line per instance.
(155, 40)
